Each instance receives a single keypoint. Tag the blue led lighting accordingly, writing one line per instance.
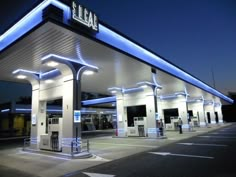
(165, 97)
(5, 110)
(88, 111)
(99, 101)
(110, 37)
(172, 96)
(49, 74)
(67, 59)
(132, 90)
(114, 89)
(32, 19)
(113, 112)
(23, 109)
(90, 67)
(26, 71)
(105, 35)
(194, 100)
(208, 102)
(143, 83)
(28, 110)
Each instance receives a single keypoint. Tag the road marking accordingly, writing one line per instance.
(46, 155)
(131, 145)
(226, 137)
(97, 158)
(222, 133)
(198, 144)
(224, 130)
(181, 155)
(172, 138)
(97, 174)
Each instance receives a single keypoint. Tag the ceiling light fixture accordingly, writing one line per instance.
(52, 63)
(88, 72)
(21, 77)
(49, 81)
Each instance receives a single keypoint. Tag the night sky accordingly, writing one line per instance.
(197, 35)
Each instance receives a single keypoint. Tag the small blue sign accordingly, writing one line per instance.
(77, 116)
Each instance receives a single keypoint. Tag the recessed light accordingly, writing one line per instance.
(21, 76)
(88, 72)
(48, 81)
(113, 91)
(52, 63)
(144, 86)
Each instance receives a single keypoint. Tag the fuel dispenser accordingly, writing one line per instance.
(139, 128)
(52, 140)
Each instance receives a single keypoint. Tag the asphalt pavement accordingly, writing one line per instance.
(211, 154)
(203, 152)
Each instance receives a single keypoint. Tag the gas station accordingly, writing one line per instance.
(64, 49)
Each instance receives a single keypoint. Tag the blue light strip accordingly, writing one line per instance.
(132, 90)
(110, 37)
(165, 97)
(99, 101)
(5, 110)
(23, 109)
(67, 59)
(146, 83)
(50, 74)
(32, 19)
(26, 71)
(88, 111)
(29, 110)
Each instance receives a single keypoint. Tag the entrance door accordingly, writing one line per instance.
(208, 117)
(216, 117)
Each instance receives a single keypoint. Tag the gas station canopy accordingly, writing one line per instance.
(50, 30)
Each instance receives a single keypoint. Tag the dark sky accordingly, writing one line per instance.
(197, 35)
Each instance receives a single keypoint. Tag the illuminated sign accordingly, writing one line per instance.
(84, 16)
(77, 116)
(33, 119)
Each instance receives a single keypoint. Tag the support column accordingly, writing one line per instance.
(136, 98)
(209, 109)
(174, 103)
(70, 130)
(198, 112)
(121, 116)
(38, 119)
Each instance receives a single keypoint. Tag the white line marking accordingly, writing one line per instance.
(131, 145)
(198, 144)
(97, 158)
(97, 175)
(222, 133)
(172, 139)
(46, 155)
(181, 155)
(226, 137)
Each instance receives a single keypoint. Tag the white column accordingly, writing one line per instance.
(38, 114)
(69, 128)
(198, 111)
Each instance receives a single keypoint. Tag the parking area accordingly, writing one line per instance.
(103, 148)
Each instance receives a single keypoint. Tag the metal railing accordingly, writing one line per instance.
(79, 146)
(26, 143)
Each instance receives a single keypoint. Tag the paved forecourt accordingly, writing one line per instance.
(14, 161)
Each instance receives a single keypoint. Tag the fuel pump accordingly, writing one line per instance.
(52, 140)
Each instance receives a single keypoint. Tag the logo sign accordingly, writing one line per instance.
(33, 119)
(84, 16)
(77, 116)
